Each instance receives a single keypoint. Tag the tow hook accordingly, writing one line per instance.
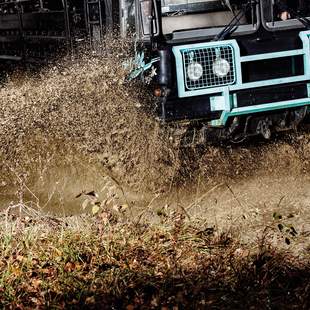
(263, 128)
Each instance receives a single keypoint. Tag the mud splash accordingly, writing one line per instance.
(78, 127)
(76, 110)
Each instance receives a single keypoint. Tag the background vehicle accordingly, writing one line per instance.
(224, 69)
(33, 30)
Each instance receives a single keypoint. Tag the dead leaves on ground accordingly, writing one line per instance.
(134, 264)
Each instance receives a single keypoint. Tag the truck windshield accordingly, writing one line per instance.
(178, 15)
(285, 14)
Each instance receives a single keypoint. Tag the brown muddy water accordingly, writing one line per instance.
(77, 128)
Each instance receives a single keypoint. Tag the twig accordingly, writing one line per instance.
(23, 184)
(203, 196)
(146, 209)
(235, 197)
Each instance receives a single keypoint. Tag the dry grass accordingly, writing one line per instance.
(110, 262)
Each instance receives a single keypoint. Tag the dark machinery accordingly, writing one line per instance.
(34, 30)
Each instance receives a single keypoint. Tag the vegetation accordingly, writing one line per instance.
(107, 261)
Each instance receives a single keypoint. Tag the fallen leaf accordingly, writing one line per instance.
(85, 204)
(95, 209)
(90, 300)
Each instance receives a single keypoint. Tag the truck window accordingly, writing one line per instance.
(284, 14)
(192, 14)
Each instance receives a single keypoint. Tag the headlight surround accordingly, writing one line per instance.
(221, 67)
(194, 71)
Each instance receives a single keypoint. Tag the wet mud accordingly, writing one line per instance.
(78, 127)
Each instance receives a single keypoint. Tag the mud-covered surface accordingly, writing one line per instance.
(77, 128)
(82, 108)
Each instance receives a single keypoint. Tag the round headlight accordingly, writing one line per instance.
(194, 71)
(221, 67)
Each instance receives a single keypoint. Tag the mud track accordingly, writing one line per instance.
(78, 127)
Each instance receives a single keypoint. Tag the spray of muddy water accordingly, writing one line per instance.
(78, 127)
(66, 129)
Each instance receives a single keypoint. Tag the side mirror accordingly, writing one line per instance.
(148, 19)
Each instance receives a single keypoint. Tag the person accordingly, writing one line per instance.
(284, 7)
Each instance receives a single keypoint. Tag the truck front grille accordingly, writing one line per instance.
(206, 56)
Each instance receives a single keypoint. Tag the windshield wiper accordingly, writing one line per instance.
(227, 3)
(294, 14)
(232, 26)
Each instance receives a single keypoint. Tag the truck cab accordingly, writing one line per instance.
(229, 69)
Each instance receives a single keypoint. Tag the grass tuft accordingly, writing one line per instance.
(95, 263)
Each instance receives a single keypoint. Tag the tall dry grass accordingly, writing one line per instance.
(109, 261)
